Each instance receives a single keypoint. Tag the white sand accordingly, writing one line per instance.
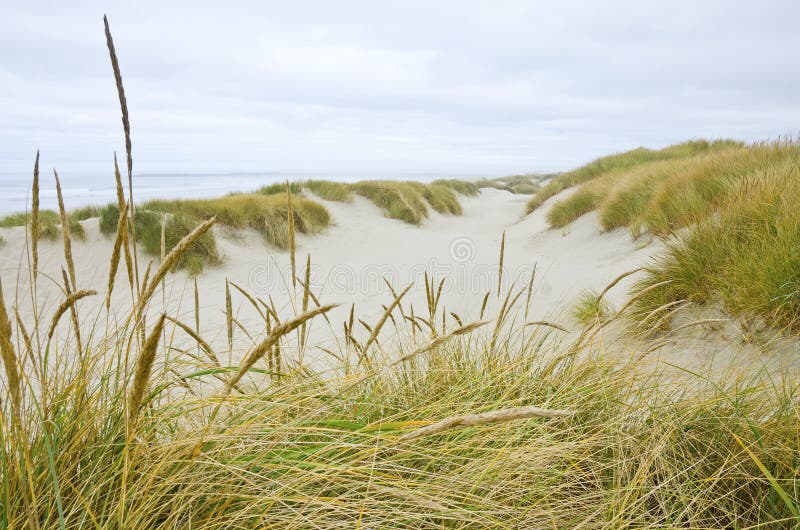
(351, 258)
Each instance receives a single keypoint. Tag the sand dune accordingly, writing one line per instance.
(353, 257)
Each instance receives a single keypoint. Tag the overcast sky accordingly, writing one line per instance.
(405, 86)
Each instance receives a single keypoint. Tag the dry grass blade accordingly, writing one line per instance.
(123, 205)
(10, 360)
(144, 366)
(463, 330)
(616, 281)
(202, 344)
(485, 301)
(126, 126)
(500, 266)
(505, 309)
(290, 221)
(229, 314)
(306, 291)
(530, 291)
(35, 218)
(68, 302)
(377, 328)
(198, 339)
(249, 299)
(65, 234)
(547, 324)
(485, 418)
(171, 259)
(74, 314)
(115, 252)
(25, 336)
(266, 345)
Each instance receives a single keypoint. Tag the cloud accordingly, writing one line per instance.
(469, 86)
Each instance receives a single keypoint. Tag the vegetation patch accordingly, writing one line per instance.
(747, 256)
(148, 226)
(622, 161)
(590, 309)
(468, 189)
(49, 224)
(519, 184)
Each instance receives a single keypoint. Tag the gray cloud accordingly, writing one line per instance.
(447, 86)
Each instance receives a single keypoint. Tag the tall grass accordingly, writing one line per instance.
(746, 256)
(49, 225)
(728, 217)
(139, 430)
(329, 190)
(625, 160)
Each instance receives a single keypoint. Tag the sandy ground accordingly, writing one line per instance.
(352, 258)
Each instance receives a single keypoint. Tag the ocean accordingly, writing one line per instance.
(97, 189)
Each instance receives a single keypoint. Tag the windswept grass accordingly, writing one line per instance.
(746, 256)
(519, 184)
(49, 224)
(623, 161)
(329, 190)
(728, 217)
(468, 189)
(176, 227)
(589, 308)
(266, 214)
(137, 430)
(279, 188)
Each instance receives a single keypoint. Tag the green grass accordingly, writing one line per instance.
(468, 189)
(519, 184)
(143, 427)
(267, 214)
(729, 221)
(49, 224)
(564, 212)
(310, 449)
(3, 241)
(589, 308)
(148, 234)
(623, 161)
(329, 190)
(746, 256)
(279, 188)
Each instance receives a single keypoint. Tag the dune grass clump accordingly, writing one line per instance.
(329, 190)
(144, 427)
(49, 224)
(399, 200)
(590, 308)
(3, 241)
(266, 214)
(746, 256)
(625, 160)
(565, 211)
(175, 227)
(518, 184)
(279, 188)
(463, 187)
(84, 213)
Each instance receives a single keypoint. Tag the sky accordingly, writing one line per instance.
(452, 87)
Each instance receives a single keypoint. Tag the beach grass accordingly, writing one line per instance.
(330, 190)
(483, 426)
(729, 219)
(589, 308)
(518, 184)
(625, 160)
(463, 187)
(744, 257)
